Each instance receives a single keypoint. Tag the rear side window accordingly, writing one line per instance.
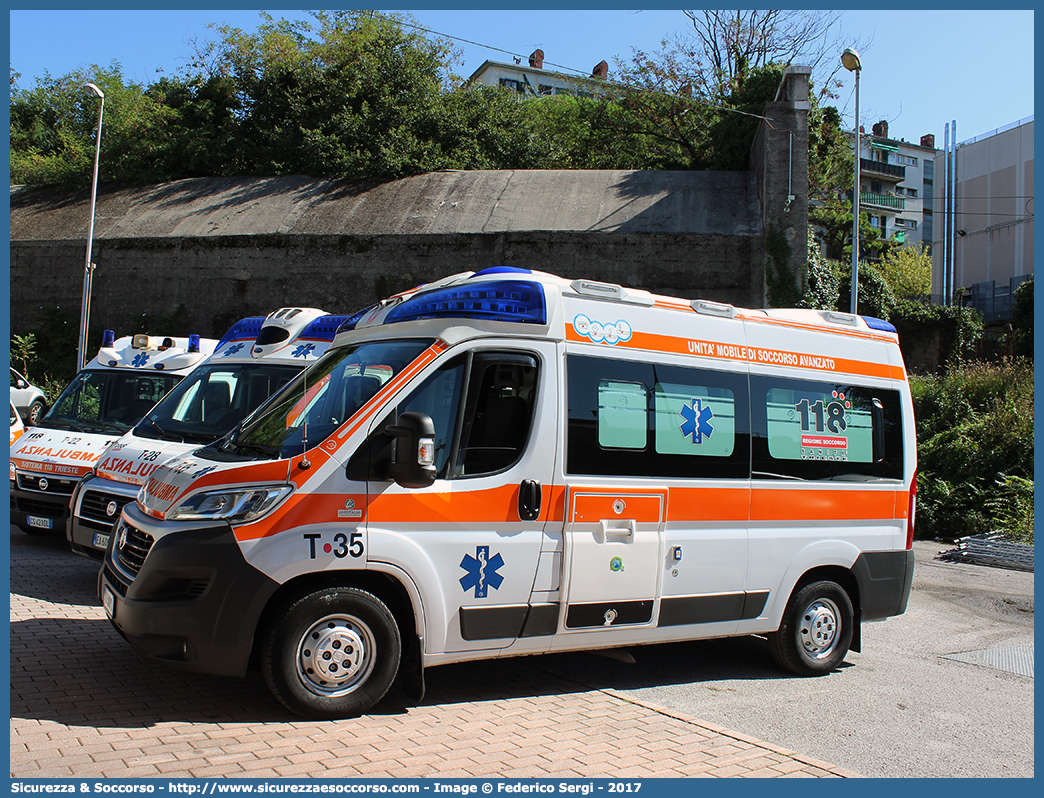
(642, 419)
(825, 430)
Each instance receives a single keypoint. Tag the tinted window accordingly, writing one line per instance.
(822, 430)
(646, 419)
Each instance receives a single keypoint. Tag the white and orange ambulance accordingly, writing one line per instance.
(105, 399)
(253, 361)
(508, 462)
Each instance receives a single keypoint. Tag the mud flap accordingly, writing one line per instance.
(411, 672)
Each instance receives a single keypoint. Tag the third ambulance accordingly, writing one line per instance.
(253, 361)
(104, 400)
(509, 462)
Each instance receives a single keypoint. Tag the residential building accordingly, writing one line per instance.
(896, 185)
(984, 239)
(534, 81)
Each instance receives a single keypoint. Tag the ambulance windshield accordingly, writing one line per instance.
(107, 400)
(213, 399)
(322, 398)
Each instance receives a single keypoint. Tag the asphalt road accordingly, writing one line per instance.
(901, 708)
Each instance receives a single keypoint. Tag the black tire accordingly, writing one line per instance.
(816, 631)
(34, 413)
(332, 653)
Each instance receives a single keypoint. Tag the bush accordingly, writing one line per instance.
(975, 450)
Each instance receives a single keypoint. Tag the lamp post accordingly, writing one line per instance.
(850, 59)
(88, 270)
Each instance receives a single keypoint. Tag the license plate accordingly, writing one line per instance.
(43, 523)
(108, 602)
(101, 541)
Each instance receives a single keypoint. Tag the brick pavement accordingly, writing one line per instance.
(84, 705)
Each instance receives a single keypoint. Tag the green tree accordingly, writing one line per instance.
(908, 270)
(53, 128)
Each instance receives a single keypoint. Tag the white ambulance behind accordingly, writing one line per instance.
(105, 399)
(507, 463)
(253, 361)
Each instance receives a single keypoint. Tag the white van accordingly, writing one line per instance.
(507, 463)
(106, 398)
(253, 361)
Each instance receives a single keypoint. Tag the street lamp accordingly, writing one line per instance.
(81, 352)
(850, 59)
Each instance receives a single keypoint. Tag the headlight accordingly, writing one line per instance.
(240, 506)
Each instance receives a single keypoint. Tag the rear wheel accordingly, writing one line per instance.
(816, 630)
(332, 653)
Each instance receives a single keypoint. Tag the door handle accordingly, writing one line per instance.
(621, 531)
(529, 495)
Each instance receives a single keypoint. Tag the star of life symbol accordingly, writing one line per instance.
(232, 350)
(696, 421)
(140, 360)
(303, 350)
(481, 571)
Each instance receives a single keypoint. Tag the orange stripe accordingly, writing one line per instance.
(709, 504)
(303, 509)
(463, 507)
(769, 504)
(655, 342)
(588, 508)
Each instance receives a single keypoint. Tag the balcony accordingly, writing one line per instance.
(884, 169)
(882, 200)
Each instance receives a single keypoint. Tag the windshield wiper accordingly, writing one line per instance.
(50, 423)
(164, 434)
(264, 449)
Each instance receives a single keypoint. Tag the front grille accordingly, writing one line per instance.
(55, 485)
(119, 584)
(95, 506)
(132, 547)
(57, 509)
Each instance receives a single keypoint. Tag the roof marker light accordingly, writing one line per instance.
(193, 345)
(520, 301)
(108, 338)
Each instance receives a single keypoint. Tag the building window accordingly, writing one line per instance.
(908, 160)
(544, 90)
(512, 84)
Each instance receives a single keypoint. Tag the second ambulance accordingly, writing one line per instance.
(253, 361)
(105, 399)
(509, 462)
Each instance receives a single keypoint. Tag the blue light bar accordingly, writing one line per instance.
(108, 338)
(324, 328)
(519, 301)
(350, 321)
(193, 343)
(879, 324)
(244, 328)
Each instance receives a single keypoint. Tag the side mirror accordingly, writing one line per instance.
(21, 384)
(413, 462)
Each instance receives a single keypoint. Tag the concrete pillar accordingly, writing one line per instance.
(779, 160)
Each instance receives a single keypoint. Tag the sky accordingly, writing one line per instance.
(920, 69)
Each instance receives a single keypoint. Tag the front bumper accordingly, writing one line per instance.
(183, 594)
(40, 502)
(95, 508)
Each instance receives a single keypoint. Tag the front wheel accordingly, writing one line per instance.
(332, 653)
(35, 413)
(816, 630)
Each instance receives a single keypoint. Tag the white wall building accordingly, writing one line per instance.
(984, 237)
(533, 80)
(896, 185)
